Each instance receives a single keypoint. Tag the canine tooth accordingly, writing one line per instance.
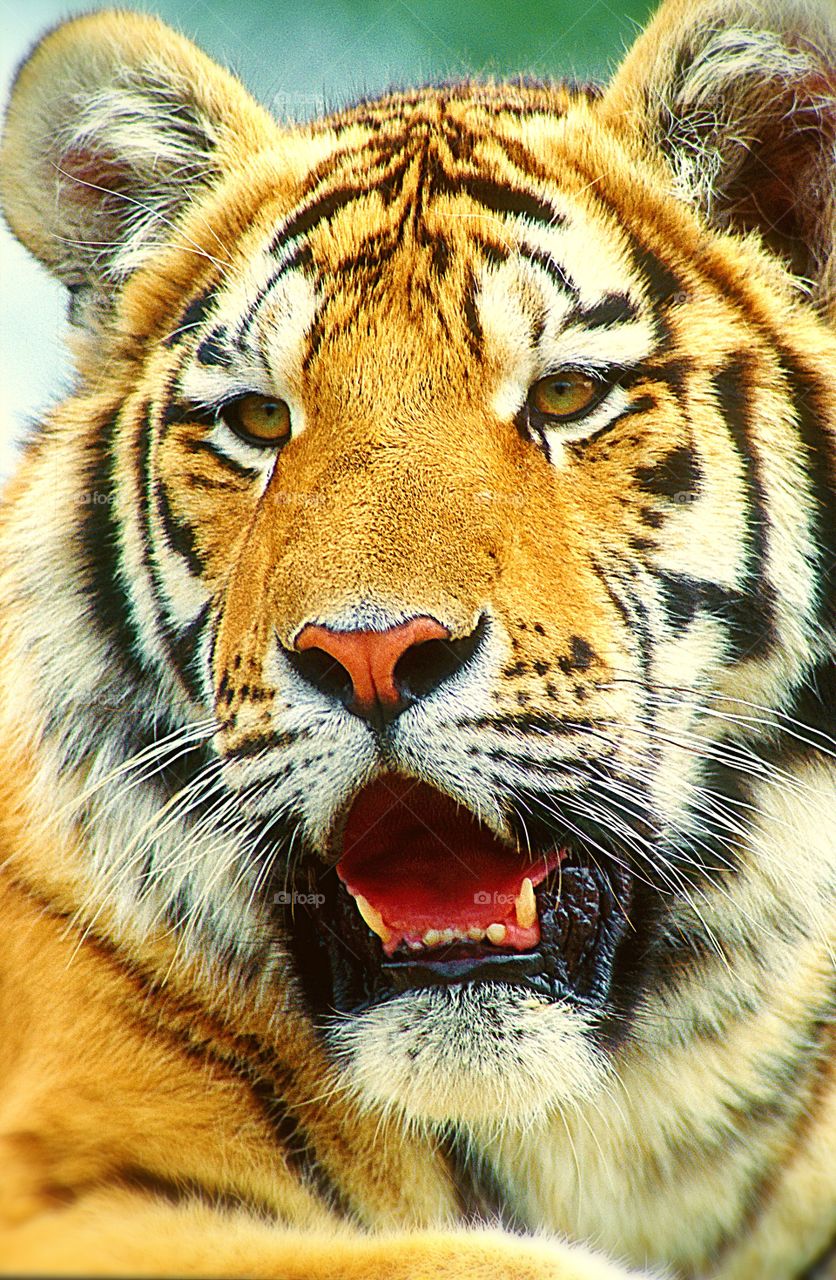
(372, 917)
(495, 933)
(525, 906)
(475, 934)
(431, 938)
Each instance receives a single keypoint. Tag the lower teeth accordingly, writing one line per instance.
(495, 933)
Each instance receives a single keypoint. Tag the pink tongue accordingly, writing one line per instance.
(423, 863)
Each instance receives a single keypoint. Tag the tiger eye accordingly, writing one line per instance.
(565, 395)
(259, 420)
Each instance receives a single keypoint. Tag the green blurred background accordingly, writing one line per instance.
(300, 58)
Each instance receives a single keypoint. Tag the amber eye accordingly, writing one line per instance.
(258, 420)
(566, 395)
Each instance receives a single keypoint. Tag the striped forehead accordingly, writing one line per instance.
(539, 275)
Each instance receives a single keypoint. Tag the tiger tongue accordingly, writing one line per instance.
(416, 863)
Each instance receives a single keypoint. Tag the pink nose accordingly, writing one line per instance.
(370, 658)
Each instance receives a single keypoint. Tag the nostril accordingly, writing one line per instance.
(423, 668)
(324, 672)
(426, 666)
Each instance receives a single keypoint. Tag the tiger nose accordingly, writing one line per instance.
(375, 674)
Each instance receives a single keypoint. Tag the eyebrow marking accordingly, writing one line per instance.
(613, 308)
(553, 269)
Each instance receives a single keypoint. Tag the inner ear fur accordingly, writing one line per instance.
(739, 98)
(114, 122)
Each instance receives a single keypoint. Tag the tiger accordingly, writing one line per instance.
(418, 789)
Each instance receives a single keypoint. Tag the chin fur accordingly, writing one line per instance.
(476, 1055)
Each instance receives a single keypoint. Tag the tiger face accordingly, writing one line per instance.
(457, 510)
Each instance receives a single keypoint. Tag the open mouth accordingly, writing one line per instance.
(425, 875)
(425, 895)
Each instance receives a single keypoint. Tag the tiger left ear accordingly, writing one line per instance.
(739, 97)
(115, 124)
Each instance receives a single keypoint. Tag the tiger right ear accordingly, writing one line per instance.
(739, 97)
(115, 122)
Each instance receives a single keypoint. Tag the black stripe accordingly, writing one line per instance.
(531, 723)
(300, 258)
(475, 332)
(501, 197)
(440, 256)
(620, 607)
(186, 1190)
(672, 373)
(634, 615)
(110, 602)
(179, 535)
(157, 1012)
(173, 766)
(683, 596)
(212, 350)
(613, 308)
(481, 1196)
(195, 313)
(498, 197)
(491, 250)
(809, 717)
(230, 464)
(183, 645)
(552, 269)
(145, 485)
(265, 1077)
(523, 158)
(180, 643)
(675, 474)
(756, 620)
(316, 337)
(320, 210)
(813, 409)
(664, 285)
(294, 1140)
(718, 827)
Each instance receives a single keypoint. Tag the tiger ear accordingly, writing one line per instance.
(115, 121)
(739, 96)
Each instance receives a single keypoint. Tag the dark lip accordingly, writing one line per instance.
(587, 919)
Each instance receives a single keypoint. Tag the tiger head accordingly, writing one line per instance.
(439, 530)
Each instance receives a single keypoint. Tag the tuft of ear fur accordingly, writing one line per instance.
(739, 97)
(114, 121)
